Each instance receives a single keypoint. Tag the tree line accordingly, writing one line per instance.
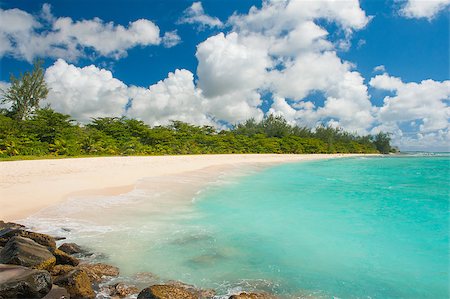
(29, 130)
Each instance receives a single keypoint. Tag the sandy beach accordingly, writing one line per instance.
(29, 186)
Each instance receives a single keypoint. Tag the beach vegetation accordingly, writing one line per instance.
(25, 92)
(47, 133)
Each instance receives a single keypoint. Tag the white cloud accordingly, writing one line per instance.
(86, 92)
(424, 104)
(174, 98)
(195, 14)
(281, 48)
(171, 39)
(26, 37)
(90, 92)
(379, 68)
(229, 63)
(424, 8)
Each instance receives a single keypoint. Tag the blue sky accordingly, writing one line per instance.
(221, 61)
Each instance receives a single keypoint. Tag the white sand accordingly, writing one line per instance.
(29, 186)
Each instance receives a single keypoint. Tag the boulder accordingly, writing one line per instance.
(21, 282)
(245, 295)
(120, 290)
(57, 292)
(175, 290)
(96, 272)
(63, 258)
(25, 252)
(164, 291)
(45, 240)
(70, 248)
(77, 284)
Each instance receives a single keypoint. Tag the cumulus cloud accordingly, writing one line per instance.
(25, 36)
(195, 14)
(174, 98)
(86, 92)
(424, 8)
(422, 106)
(281, 48)
(91, 92)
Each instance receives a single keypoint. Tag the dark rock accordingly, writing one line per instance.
(57, 292)
(59, 238)
(63, 258)
(70, 248)
(77, 283)
(21, 282)
(96, 272)
(26, 252)
(175, 289)
(245, 295)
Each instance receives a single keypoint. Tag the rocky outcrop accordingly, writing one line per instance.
(63, 258)
(77, 284)
(97, 272)
(70, 248)
(175, 289)
(245, 295)
(21, 282)
(15, 230)
(25, 252)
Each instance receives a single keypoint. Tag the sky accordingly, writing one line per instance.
(365, 66)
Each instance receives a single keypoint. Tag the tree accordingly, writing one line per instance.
(26, 92)
(382, 142)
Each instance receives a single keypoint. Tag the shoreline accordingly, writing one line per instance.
(28, 186)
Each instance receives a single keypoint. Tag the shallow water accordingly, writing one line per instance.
(349, 228)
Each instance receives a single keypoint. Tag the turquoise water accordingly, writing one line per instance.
(350, 228)
(346, 228)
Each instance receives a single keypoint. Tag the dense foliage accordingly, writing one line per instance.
(48, 132)
(27, 130)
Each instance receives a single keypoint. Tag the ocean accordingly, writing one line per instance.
(366, 227)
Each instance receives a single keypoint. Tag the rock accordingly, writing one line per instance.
(21, 282)
(175, 290)
(57, 292)
(163, 291)
(4, 225)
(61, 270)
(42, 239)
(77, 284)
(70, 248)
(120, 290)
(199, 293)
(245, 295)
(97, 271)
(25, 252)
(63, 258)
